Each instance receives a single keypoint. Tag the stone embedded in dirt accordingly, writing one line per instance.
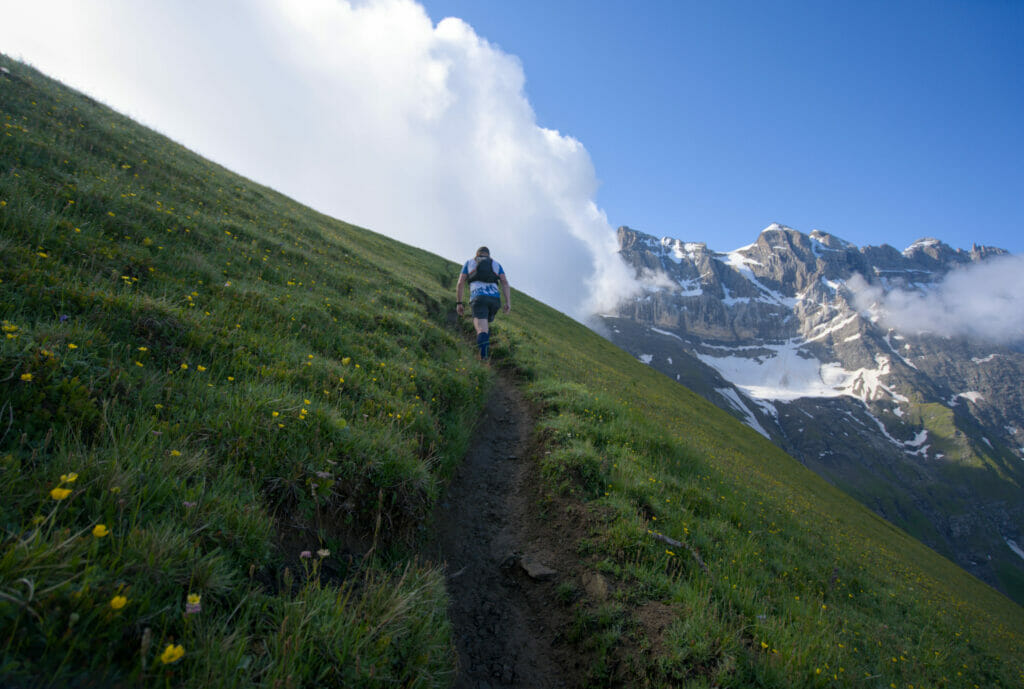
(595, 585)
(535, 569)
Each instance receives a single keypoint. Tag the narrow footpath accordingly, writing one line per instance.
(500, 579)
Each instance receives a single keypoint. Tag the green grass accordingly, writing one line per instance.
(235, 380)
(261, 404)
(796, 584)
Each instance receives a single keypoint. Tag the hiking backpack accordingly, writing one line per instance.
(484, 271)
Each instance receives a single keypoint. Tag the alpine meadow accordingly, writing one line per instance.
(226, 421)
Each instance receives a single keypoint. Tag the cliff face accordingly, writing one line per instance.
(926, 430)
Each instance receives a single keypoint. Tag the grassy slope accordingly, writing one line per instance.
(331, 400)
(234, 379)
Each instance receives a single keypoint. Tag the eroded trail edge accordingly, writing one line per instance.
(500, 576)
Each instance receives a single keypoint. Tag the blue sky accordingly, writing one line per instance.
(538, 127)
(880, 122)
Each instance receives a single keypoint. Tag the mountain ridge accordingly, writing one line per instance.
(778, 331)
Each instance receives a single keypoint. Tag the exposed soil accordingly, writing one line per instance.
(490, 531)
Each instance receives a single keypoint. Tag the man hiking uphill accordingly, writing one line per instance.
(487, 284)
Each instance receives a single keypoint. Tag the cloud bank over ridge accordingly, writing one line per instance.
(981, 300)
(363, 109)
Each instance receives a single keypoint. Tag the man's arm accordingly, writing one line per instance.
(507, 292)
(458, 292)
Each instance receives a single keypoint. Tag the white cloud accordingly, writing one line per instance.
(363, 109)
(656, 279)
(982, 300)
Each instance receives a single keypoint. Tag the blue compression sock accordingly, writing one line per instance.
(483, 341)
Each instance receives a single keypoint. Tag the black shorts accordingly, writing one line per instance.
(485, 306)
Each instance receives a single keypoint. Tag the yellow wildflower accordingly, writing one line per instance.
(172, 654)
(26, 377)
(192, 604)
(69, 478)
(60, 493)
(100, 530)
(118, 602)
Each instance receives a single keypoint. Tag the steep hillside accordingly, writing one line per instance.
(226, 419)
(926, 430)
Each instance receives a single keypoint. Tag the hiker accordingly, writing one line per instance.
(487, 284)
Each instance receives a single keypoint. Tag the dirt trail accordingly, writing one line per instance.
(487, 534)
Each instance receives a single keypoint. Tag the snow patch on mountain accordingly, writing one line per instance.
(788, 372)
(749, 418)
(915, 447)
(780, 372)
(919, 245)
(677, 250)
(906, 347)
(690, 288)
(665, 332)
(831, 327)
(741, 263)
(867, 384)
(730, 300)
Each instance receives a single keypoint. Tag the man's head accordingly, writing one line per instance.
(484, 252)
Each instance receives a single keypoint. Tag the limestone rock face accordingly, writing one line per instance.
(786, 334)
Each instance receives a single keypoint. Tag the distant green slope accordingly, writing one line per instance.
(224, 381)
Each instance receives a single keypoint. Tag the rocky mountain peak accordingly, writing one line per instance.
(830, 241)
(931, 254)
